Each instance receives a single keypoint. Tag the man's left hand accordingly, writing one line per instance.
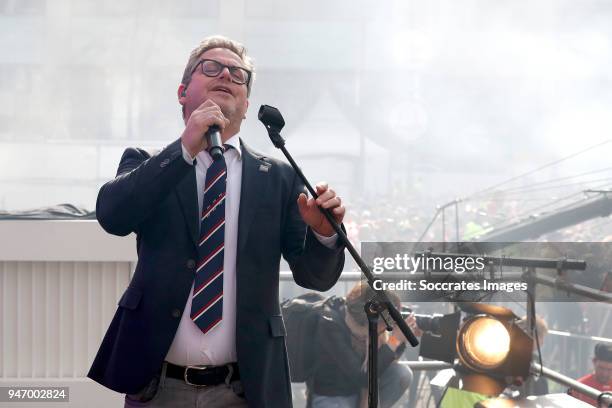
(311, 214)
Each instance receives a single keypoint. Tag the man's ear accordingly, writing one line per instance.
(182, 93)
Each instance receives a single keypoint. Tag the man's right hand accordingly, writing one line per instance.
(206, 115)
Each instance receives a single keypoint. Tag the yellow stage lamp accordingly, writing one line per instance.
(483, 343)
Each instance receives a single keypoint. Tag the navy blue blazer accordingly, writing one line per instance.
(155, 197)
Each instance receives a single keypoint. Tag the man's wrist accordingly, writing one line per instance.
(324, 233)
(187, 156)
(329, 242)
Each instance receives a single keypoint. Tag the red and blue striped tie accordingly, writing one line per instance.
(207, 302)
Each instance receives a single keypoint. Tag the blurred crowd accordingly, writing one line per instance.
(398, 218)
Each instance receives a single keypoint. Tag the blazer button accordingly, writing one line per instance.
(176, 313)
(191, 264)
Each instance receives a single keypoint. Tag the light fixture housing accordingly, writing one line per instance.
(488, 341)
(483, 346)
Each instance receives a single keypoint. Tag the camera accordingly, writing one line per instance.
(429, 323)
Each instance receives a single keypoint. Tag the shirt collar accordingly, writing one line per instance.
(234, 141)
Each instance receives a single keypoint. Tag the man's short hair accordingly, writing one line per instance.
(358, 296)
(603, 352)
(219, 41)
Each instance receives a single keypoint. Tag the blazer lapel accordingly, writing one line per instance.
(187, 194)
(253, 187)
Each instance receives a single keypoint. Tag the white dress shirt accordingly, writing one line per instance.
(190, 346)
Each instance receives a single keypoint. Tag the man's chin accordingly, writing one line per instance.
(228, 112)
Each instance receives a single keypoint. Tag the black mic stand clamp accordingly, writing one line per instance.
(274, 122)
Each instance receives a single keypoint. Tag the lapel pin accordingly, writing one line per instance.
(264, 168)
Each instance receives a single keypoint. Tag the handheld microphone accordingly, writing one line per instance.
(215, 144)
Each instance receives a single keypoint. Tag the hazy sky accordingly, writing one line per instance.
(430, 99)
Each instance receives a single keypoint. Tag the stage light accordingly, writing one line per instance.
(492, 350)
(483, 343)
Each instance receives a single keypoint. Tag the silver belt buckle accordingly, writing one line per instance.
(201, 368)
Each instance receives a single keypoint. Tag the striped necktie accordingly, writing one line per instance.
(207, 302)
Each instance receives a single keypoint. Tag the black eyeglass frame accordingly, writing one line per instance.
(231, 68)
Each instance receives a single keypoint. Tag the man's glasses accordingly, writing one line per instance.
(212, 68)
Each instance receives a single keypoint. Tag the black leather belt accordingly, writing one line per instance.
(201, 376)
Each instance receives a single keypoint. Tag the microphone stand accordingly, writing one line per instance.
(274, 122)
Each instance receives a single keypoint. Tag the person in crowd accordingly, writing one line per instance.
(601, 377)
(340, 377)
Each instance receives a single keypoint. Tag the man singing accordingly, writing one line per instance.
(199, 324)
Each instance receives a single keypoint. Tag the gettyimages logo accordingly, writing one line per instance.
(486, 271)
(422, 262)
